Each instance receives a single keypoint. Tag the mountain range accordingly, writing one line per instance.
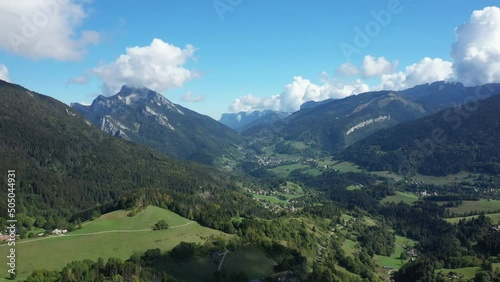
(333, 125)
(134, 149)
(457, 139)
(147, 117)
(65, 166)
(244, 120)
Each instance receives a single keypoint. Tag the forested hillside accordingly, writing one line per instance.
(453, 140)
(333, 125)
(65, 165)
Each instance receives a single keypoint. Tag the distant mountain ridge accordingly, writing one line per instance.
(244, 120)
(439, 95)
(333, 125)
(312, 104)
(465, 138)
(147, 117)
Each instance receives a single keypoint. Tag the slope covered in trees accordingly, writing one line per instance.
(64, 165)
(464, 138)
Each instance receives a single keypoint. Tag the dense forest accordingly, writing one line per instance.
(69, 171)
(458, 139)
(441, 244)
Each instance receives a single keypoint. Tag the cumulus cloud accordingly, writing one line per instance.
(371, 67)
(45, 29)
(426, 71)
(348, 69)
(302, 90)
(188, 97)
(476, 52)
(475, 60)
(296, 93)
(4, 73)
(250, 103)
(377, 66)
(159, 66)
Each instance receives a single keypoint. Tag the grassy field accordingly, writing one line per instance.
(297, 189)
(400, 197)
(394, 260)
(388, 174)
(495, 217)
(480, 206)
(292, 187)
(347, 167)
(349, 247)
(299, 145)
(328, 162)
(346, 216)
(353, 188)
(268, 151)
(36, 231)
(452, 178)
(112, 235)
(467, 272)
(143, 220)
(368, 221)
(271, 199)
(285, 170)
(436, 180)
(314, 171)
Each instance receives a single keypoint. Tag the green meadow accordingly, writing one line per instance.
(495, 217)
(444, 180)
(112, 235)
(466, 272)
(292, 187)
(284, 170)
(407, 198)
(394, 260)
(479, 206)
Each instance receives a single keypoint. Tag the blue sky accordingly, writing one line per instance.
(254, 55)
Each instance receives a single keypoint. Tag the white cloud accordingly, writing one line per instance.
(296, 93)
(476, 52)
(188, 97)
(159, 66)
(45, 29)
(426, 71)
(250, 103)
(377, 66)
(348, 69)
(4, 73)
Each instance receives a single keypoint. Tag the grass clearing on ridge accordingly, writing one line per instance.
(112, 235)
